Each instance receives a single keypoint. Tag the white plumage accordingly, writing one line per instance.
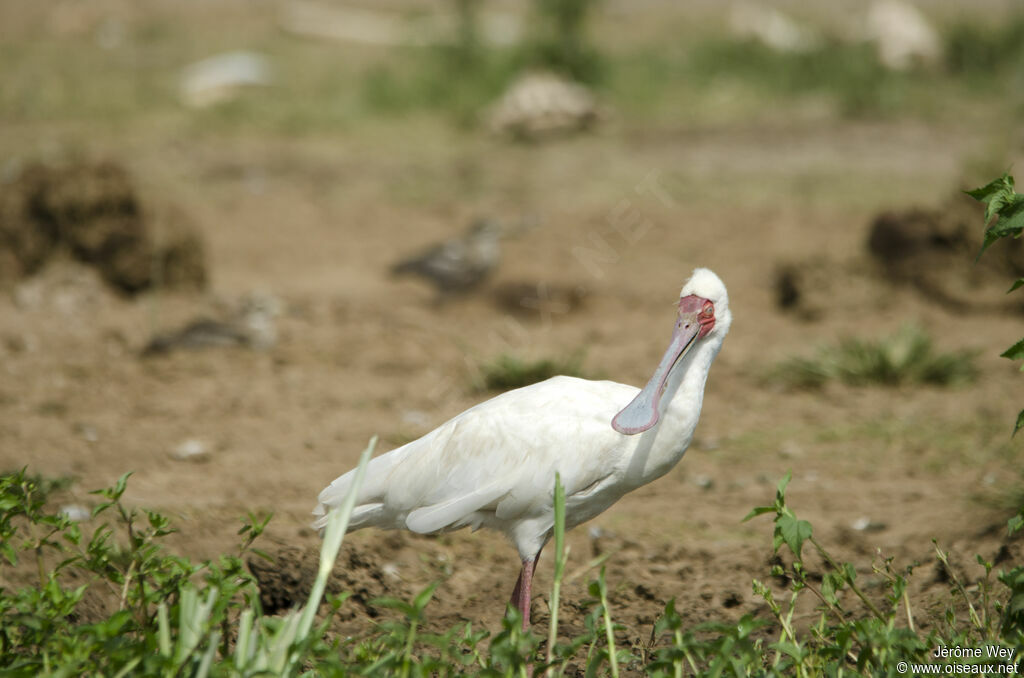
(494, 465)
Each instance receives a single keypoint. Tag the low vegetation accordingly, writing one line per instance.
(1004, 218)
(507, 372)
(164, 615)
(904, 358)
(683, 74)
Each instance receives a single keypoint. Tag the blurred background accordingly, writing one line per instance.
(239, 238)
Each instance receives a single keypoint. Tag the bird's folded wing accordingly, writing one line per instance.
(439, 516)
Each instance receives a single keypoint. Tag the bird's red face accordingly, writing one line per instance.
(699, 310)
(695, 319)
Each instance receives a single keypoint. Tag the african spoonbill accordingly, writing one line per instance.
(494, 465)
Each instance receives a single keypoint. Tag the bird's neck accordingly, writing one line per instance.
(663, 446)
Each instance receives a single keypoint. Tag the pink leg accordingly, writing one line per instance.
(521, 593)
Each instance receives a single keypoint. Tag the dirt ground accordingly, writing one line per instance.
(624, 216)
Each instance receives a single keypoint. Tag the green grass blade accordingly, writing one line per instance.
(163, 630)
(613, 660)
(128, 668)
(188, 634)
(244, 642)
(337, 525)
(560, 558)
(207, 659)
(283, 656)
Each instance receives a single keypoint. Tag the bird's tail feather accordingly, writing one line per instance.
(362, 516)
(368, 507)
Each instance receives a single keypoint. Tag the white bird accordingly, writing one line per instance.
(494, 465)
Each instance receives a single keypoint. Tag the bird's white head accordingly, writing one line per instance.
(703, 288)
(703, 318)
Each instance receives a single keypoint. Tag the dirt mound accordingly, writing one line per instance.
(286, 580)
(934, 250)
(93, 211)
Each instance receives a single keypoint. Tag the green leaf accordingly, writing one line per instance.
(1011, 217)
(1015, 352)
(1017, 522)
(1020, 423)
(830, 583)
(9, 553)
(994, 195)
(1005, 205)
(1016, 604)
(789, 648)
(780, 491)
(850, 572)
(1010, 223)
(757, 511)
(394, 604)
(793, 532)
(423, 597)
(1016, 284)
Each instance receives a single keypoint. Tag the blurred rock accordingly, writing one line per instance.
(865, 524)
(391, 571)
(191, 449)
(88, 432)
(222, 77)
(76, 513)
(92, 211)
(541, 104)
(902, 35)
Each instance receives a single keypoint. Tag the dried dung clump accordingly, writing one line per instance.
(931, 250)
(934, 250)
(93, 211)
(286, 580)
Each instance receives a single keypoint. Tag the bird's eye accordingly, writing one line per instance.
(709, 310)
